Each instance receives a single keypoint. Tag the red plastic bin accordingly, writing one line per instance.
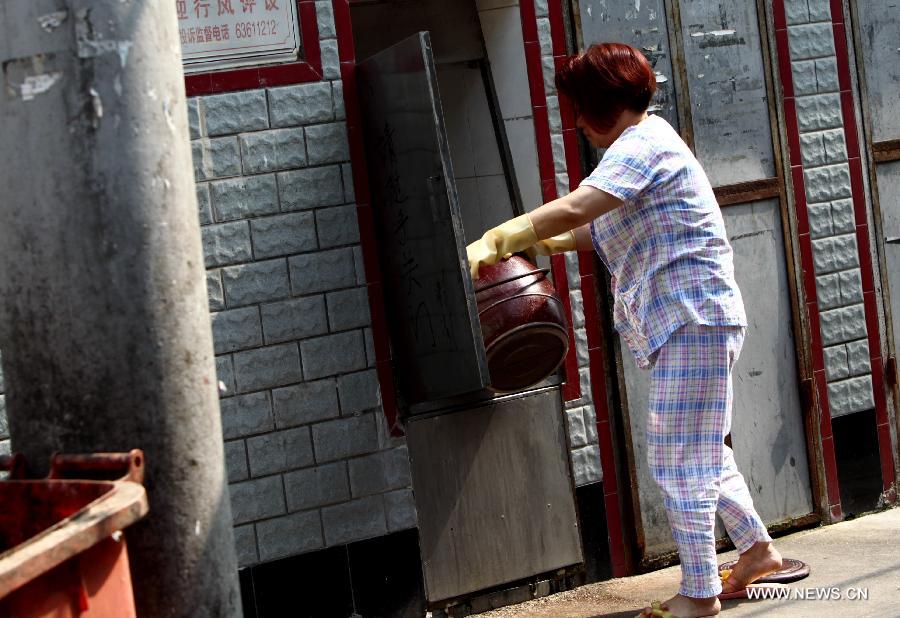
(63, 551)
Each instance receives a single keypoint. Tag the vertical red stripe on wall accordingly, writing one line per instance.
(591, 316)
(887, 464)
(309, 27)
(878, 376)
(831, 479)
(529, 22)
(793, 135)
(544, 149)
(367, 240)
(346, 51)
(573, 156)
(837, 11)
(818, 350)
(822, 393)
(778, 16)
(572, 387)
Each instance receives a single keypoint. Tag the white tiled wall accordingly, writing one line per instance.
(501, 25)
(477, 166)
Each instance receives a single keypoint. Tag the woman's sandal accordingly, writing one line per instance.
(739, 593)
(735, 593)
(657, 610)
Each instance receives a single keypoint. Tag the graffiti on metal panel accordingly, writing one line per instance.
(419, 303)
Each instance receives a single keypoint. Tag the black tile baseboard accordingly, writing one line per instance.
(375, 578)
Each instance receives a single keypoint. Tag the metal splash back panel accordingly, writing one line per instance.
(435, 332)
(493, 493)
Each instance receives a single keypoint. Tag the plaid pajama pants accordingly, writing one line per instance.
(690, 414)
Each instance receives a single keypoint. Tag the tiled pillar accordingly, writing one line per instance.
(826, 170)
(832, 224)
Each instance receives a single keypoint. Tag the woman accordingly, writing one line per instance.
(650, 213)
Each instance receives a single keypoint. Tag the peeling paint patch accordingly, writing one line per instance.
(723, 42)
(170, 121)
(653, 53)
(92, 49)
(33, 85)
(26, 78)
(89, 46)
(713, 33)
(52, 21)
(718, 38)
(97, 106)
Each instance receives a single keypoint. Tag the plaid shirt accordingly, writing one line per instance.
(666, 245)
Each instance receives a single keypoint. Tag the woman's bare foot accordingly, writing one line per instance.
(758, 561)
(685, 607)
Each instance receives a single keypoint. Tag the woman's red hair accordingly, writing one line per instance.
(605, 80)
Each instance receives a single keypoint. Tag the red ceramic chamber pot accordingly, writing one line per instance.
(522, 322)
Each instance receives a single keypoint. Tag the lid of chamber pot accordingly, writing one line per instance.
(525, 356)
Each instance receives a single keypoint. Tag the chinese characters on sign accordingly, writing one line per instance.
(237, 32)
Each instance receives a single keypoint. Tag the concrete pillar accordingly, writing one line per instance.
(104, 327)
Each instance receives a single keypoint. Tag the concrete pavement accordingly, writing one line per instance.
(847, 560)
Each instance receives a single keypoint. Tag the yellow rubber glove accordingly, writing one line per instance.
(556, 244)
(509, 237)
